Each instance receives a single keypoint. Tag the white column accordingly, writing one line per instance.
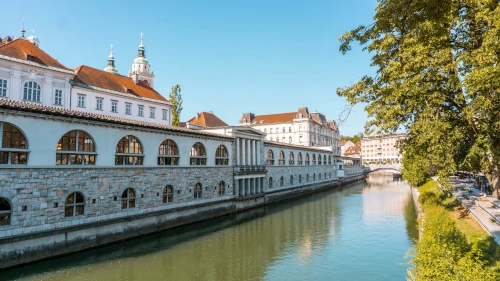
(257, 151)
(254, 154)
(243, 152)
(238, 151)
(248, 152)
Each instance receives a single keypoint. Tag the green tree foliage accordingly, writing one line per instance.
(354, 139)
(437, 77)
(175, 99)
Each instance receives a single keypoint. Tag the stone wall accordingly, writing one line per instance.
(38, 196)
(276, 172)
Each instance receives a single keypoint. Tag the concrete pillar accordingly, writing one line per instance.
(257, 151)
(238, 151)
(257, 186)
(254, 153)
(254, 186)
(236, 188)
(247, 191)
(248, 152)
(242, 187)
(243, 152)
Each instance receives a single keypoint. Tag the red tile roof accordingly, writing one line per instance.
(106, 80)
(21, 49)
(207, 119)
(354, 150)
(58, 111)
(274, 118)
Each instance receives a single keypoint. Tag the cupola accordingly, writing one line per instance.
(111, 62)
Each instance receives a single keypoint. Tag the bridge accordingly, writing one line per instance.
(383, 167)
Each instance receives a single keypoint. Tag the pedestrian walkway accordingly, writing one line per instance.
(482, 208)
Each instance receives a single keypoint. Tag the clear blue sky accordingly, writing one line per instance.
(229, 56)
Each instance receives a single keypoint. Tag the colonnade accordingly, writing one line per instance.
(249, 186)
(247, 152)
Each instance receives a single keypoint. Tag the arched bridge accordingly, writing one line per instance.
(383, 167)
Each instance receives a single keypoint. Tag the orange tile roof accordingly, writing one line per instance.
(21, 48)
(106, 80)
(274, 118)
(207, 119)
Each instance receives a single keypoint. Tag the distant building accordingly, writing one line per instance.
(204, 120)
(299, 128)
(381, 149)
(354, 150)
(344, 145)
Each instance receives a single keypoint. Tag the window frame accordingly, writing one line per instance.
(70, 154)
(282, 181)
(221, 160)
(299, 159)
(270, 182)
(152, 112)
(99, 103)
(198, 191)
(167, 159)
(81, 100)
(307, 161)
(8, 152)
(4, 88)
(164, 114)
(127, 200)
(198, 160)
(58, 96)
(7, 213)
(114, 106)
(281, 158)
(127, 156)
(128, 108)
(270, 161)
(221, 188)
(74, 205)
(38, 92)
(140, 110)
(291, 158)
(168, 194)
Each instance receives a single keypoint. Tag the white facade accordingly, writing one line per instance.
(346, 146)
(383, 148)
(28, 81)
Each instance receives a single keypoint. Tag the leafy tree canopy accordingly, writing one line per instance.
(437, 77)
(354, 139)
(175, 99)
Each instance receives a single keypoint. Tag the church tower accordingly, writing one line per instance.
(111, 62)
(140, 68)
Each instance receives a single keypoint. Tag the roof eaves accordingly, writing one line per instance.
(37, 64)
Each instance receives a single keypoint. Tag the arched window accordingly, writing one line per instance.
(221, 188)
(314, 159)
(5, 212)
(74, 205)
(270, 182)
(282, 181)
(198, 155)
(324, 159)
(14, 146)
(289, 129)
(299, 159)
(75, 148)
(129, 151)
(291, 180)
(128, 198)
(319, 159)
(168, 153)
(330, 175)
(31, 91)
(281, 158)
(270, 158)
(319, 176)
(197, 191)
(300, 178)
(307, 159)
(325, 176)
(291, 160)
(221, 156)
(289, 139)
(314, 177)
(329, 160)
(168, 194)
(307, 178)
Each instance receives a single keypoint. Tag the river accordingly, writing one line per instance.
(358, 232)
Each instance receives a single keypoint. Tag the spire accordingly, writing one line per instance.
(141, 52)
(22, 30)
(33, 39)
(111, 62)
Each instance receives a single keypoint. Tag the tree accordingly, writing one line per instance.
(437, 72)
(175, 99)
(354, 139)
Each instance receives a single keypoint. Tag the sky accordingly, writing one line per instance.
(229, 56)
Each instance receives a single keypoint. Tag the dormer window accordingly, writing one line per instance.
(30, 58)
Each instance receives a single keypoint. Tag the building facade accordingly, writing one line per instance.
(299, 128)
(381, 149)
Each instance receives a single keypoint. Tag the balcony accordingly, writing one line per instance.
(250, 169)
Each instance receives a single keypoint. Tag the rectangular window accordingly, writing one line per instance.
(114, 106)
(58, 97)
(81, 101)
(3, 88)
(98, 103)
(128, 108)
(165, 114)
(151, 112)
(140, 110)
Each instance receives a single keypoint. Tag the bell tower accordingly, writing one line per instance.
(140, 67)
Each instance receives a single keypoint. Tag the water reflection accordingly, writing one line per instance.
(323, 236)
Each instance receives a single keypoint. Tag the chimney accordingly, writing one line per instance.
(135, 77)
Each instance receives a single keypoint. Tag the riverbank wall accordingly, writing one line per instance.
(29, 247)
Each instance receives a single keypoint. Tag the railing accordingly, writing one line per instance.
(250, 169)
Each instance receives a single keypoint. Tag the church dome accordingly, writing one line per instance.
(33, 39)
(140, 60)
